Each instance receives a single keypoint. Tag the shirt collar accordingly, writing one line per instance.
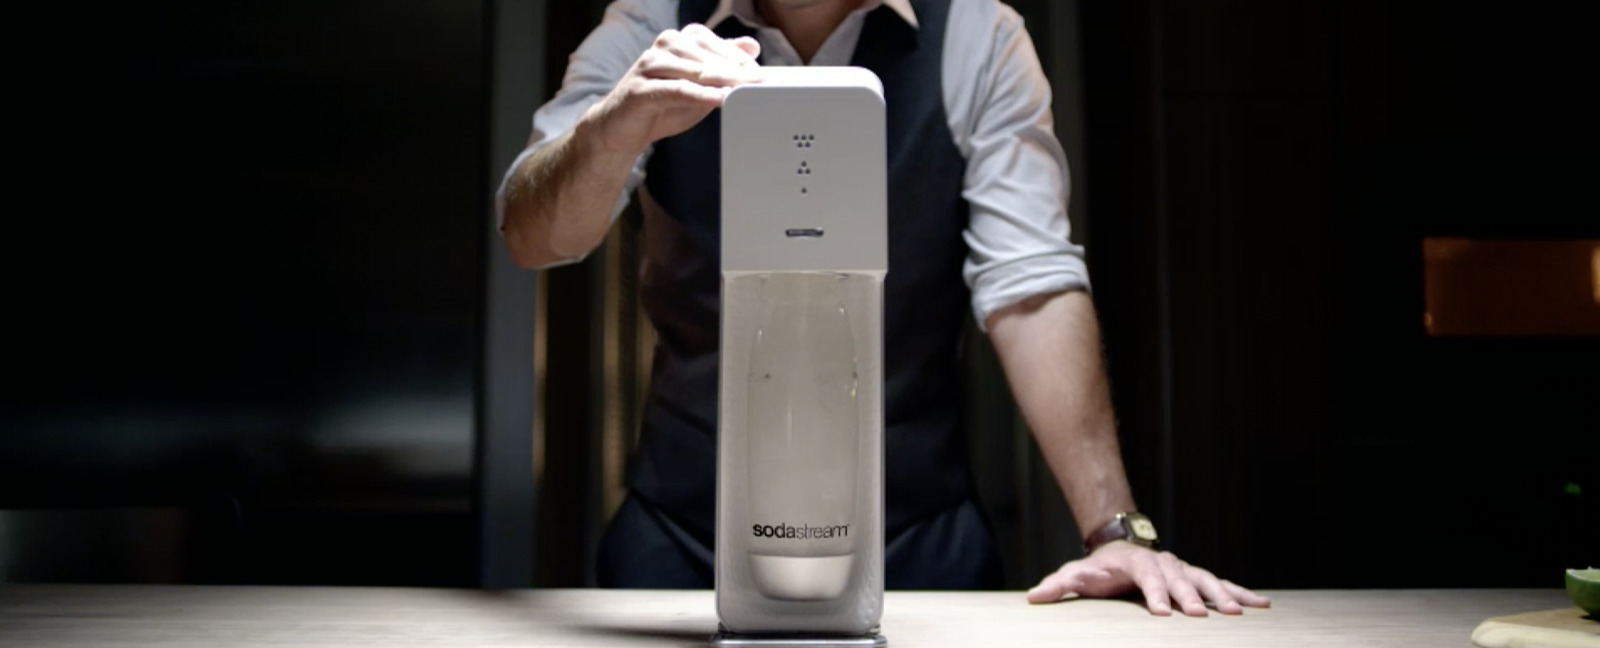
(745, 11)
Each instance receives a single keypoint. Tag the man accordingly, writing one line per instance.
(977, 197)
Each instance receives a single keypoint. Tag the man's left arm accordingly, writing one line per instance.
(1050, 348)
(1030, 293)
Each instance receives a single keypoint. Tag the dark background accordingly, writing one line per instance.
(250, 294)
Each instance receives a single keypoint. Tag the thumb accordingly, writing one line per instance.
(1072, 578)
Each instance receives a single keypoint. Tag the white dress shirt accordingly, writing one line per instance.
(996, 97)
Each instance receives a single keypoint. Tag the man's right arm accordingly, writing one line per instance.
(557, 204)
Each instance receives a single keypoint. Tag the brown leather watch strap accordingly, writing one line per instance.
(1131, 526)
(1113, 530)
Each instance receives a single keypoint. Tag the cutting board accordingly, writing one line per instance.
(1565, 628)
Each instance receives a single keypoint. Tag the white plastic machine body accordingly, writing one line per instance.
(800, 432)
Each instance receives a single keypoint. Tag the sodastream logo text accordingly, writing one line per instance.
(801, 532)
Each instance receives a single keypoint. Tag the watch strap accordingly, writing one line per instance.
(1116, 529)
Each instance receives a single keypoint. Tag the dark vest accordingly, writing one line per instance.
(925, 299)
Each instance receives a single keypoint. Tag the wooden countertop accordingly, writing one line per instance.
(81, 615)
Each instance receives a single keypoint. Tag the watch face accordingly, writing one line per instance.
(1142, 528)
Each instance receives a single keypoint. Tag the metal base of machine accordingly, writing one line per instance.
(726, 639)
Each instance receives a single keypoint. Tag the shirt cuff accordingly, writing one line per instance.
(999, 286)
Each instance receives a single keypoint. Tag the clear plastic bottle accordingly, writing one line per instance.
(802, 422)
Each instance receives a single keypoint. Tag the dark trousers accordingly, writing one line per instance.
(953, 550)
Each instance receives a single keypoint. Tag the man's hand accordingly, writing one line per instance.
(1050, 348)
(558, 202)
(672, 86)
(1120, 566)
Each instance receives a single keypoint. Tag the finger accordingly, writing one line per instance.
(720, 53)
(750, 46)
(684, 91)
(688, 48)
(1077, 577)
(1245, 596)
(658, 64)
(679, 45)
(1148, 576)
(666, 66)
(1067, 580)
(1213, 590)
(1099, 582)
(1053, 588)
(726, 75)
(1178, 584)
(1090, 574)
(717, 46)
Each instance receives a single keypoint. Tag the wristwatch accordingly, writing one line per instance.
(1133, 527)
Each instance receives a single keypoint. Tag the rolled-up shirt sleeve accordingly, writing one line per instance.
(1016, 183)
(627, 29)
